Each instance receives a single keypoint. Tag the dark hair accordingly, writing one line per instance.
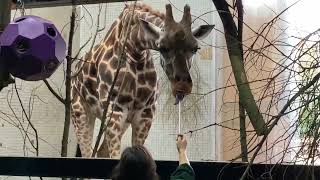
(135, 163)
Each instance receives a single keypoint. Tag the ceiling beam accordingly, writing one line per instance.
(48, 3)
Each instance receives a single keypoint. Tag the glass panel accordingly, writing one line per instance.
(47, 113)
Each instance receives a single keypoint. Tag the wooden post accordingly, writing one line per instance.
(5, 11)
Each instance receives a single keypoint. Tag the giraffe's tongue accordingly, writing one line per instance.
(179, 97)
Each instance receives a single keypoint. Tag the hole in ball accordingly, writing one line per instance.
(19, 20)
(22, 46)
(51, 31)
(51, 65)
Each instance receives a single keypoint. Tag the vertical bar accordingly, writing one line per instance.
(5, 15)
(5, 10)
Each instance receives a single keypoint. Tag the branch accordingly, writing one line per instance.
(234, 49)
(29, 121)
(54, 92)
(64, 147)
(277, 118)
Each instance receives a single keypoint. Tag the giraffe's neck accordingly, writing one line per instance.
(135, 40)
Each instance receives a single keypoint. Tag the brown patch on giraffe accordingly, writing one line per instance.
(143, 94)
(103, 90)
(124, 99)
(140, 66)
(91, 86)
(88, 55)
(114, 141)
(116, 116)
(84, 92)
(117, 147)
(76, 106)
(77, 114)
(153, 107)
(141, 79)
(131, 50)
(110, 123)
(85, 68)
(105, 74)
(80, 77)
(91, 100)
(93, 71)
(113, 94)
(98, 52)
(149, 65)
(130, 83)
(99, 57)
(108, 54)
(146, 127)
(146, 113)
(75, 97)
(117, 108)
(151, 78)
(111, 135)
(116, 127)
(113, 62)
(132, 68)
(141, 136)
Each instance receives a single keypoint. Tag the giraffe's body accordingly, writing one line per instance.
(135, 92)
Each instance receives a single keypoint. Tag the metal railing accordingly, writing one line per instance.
(102, 168)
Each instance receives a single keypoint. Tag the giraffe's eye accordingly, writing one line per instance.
(195, 50)
(164, 50)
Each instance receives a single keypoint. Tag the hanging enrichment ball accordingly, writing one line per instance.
(31, 48)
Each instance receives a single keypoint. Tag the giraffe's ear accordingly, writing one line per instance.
(202, 31)
(152, 31)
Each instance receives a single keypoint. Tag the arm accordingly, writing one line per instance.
(182, 149)
(184, 170)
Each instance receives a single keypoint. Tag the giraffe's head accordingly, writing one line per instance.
(177, 43)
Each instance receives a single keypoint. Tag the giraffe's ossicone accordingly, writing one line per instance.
(135, 93)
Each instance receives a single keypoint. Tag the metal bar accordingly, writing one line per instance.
(102, 168)
(51, 3)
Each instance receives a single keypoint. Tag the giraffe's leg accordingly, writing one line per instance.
(103, 150)
(83, 125)
(142, 124)
(115, 128)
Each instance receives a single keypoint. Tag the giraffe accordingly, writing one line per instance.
(136, 88)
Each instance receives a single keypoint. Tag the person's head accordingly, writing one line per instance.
(135, 163)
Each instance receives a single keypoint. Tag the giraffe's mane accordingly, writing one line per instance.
(146, 8)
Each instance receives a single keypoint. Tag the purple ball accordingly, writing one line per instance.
(31, 48)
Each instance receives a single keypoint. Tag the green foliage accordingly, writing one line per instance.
(309, 119)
